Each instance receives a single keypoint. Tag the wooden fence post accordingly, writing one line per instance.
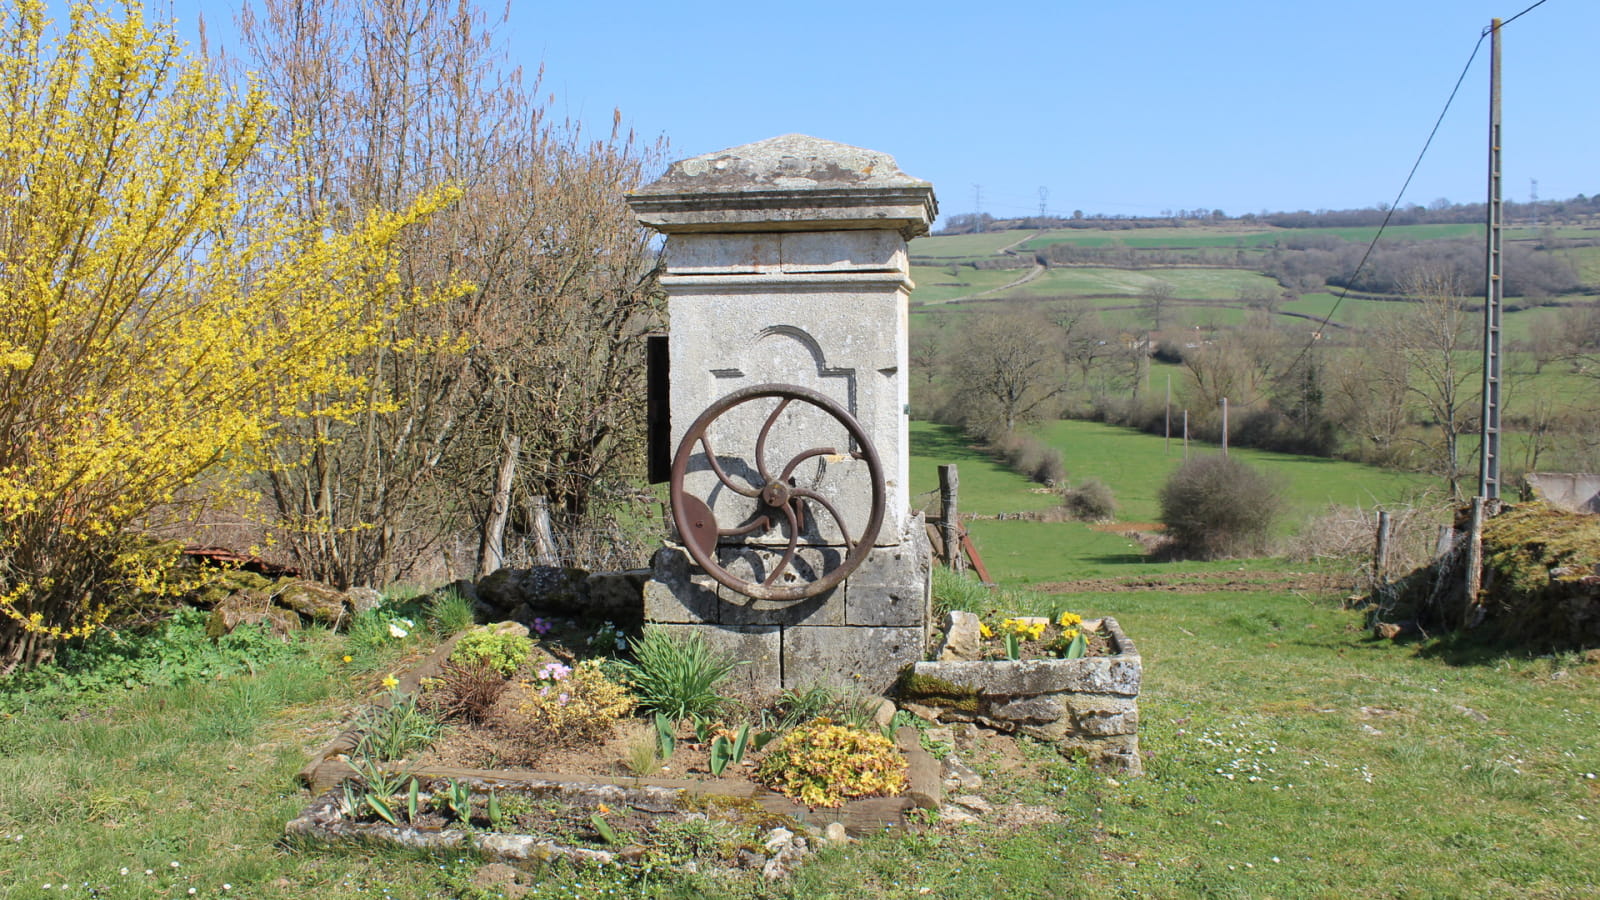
(1380, 553)
(1474, 559)
(950, 519)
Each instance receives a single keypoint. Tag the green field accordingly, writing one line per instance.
(935, 284)
(1227, 236)
(964, 246)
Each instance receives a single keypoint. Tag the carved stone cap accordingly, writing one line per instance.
(788, 183)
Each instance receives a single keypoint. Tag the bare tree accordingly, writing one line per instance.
(1157, 302)
(1006, 368)
(531, 378)
(1427, 353)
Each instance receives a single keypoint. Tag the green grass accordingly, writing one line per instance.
(1135, 465)
(1191, 283)
(1359, 769)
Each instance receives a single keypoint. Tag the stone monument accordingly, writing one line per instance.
(794, 547)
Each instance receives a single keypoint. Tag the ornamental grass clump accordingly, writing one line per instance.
(677, 674)
(568, 705)
(823, 764)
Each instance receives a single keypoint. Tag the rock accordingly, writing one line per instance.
(749, 859)
(222, 584)
(883, 713)
(955, 815)
(962, 636)
(617, 595)
(249, 608)
(958, 776)
(778, 839)
(364, 599)
(972, 803)
(314, 601)
(921, 711)
(550, 588)
(1471, 713)
(835, 833)
(513, 628)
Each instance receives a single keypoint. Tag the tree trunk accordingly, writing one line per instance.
(492, 549)
(544, 541)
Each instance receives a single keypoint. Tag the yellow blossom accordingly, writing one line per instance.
(390, 682)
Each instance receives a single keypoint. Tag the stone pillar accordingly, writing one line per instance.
(786, 263)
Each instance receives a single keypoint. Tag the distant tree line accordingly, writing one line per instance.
(1439, 212)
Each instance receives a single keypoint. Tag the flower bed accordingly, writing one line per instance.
(1087, 705)
(577, 790)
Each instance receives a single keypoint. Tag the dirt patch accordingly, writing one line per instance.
(1307, 582)
(498, 744)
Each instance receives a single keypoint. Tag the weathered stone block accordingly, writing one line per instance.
(868, 658)
(1030, 710)
(1101, 675)
(618, 595)
(892, 585)
(675, 594)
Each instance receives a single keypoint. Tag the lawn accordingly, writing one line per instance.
(1287, 755)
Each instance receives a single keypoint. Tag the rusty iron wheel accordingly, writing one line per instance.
(779, 502)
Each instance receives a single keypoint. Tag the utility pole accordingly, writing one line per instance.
(977, 207)
(1044, 200)
(1489, 435)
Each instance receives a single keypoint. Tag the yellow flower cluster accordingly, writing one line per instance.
(1025, 629)
(1069, 623)
(823, 764)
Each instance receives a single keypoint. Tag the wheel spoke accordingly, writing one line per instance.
(823, 502)
(788, 552)
(711, 458)
(795, 463)
(761, 439)
(761, 523)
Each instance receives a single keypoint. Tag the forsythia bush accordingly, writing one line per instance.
(569, 705)
(823, 764)
(157, 318)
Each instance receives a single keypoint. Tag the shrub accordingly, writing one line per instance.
(466, 691)
(1031, 458)
(503, 651)
(677, 674)
(1091, 501)
(1216, 506)
(568, 706)
(823, 764)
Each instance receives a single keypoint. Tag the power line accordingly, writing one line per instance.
(1396, 204)
(1519, 15)
(1398, 197)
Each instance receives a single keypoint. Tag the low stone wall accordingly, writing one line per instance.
(1086, 706)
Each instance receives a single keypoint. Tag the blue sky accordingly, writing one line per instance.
(1113, 107)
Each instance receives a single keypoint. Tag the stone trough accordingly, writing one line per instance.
(1087, 707)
